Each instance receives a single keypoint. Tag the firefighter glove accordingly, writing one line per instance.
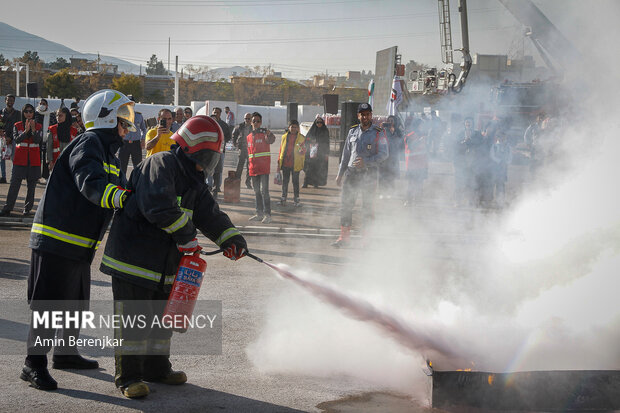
(235, 247)
(189, 247)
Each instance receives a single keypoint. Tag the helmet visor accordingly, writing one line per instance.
(206, 159)
(127, 113)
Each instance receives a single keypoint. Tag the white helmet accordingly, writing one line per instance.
(102, 109)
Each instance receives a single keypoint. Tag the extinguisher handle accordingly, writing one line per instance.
(203, 252)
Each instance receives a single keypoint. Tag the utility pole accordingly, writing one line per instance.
(176, 81)
(168, 55)
(28, 79)
(17, 69)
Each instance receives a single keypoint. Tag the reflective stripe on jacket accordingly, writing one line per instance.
(169, 202)
(82, 192)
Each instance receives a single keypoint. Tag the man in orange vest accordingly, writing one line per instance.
(259, 159)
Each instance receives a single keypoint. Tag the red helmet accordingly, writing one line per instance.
(201, 138)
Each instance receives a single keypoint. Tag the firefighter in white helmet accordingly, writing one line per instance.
(170, 202)
(82, 193)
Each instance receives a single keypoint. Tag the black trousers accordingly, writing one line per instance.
(133, 149)
(55, 283)
(145, 352)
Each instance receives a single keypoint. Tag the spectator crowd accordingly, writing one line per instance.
(480, 153)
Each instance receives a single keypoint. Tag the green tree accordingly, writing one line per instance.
(155, 67)
(61, 84)
(60, 63)
(3, 60)
(31, 58)
(129, 85)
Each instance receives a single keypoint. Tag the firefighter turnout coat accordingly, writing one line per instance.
(85, 187)
(170, 200)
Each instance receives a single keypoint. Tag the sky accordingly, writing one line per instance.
(297, 37)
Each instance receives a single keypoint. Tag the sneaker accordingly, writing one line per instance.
(340, 243)
(136, 390)
(256, 218)
(297, 204)
(5, 213)
(282, 201)
(267, 219)
(27, 213)
(2, 180)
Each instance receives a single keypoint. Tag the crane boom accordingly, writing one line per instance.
(543, 33)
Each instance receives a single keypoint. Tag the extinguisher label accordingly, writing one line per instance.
(190, 276)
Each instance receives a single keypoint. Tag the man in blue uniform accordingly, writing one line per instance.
(364, 150)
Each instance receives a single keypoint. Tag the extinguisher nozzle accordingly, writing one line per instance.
(254, 257)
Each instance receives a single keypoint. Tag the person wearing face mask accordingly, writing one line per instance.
(47, 118)
(59, 136)
(27, 135)
(76, 118)
(82, 193)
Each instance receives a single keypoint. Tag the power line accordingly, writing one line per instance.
(300, 21)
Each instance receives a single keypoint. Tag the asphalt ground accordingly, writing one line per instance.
(230, 382)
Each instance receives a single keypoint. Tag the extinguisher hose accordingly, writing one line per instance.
(254, 257)
(203, 252)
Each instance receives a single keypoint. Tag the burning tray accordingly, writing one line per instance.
(559, 390)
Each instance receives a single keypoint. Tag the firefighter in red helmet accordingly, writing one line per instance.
(148, 238)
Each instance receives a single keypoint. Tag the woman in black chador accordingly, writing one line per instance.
(317, 154)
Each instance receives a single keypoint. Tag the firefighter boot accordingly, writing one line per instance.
(343, 239)
(136, 390)
(172, 377)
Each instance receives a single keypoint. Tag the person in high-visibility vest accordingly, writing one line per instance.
(259, 160)
(59, 136)
(27, 136)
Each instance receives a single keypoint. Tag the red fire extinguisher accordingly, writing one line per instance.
(185, 289)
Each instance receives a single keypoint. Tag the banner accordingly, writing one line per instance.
(371, 92)
(395, 98)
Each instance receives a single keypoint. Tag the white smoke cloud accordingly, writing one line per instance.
(533, 288)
